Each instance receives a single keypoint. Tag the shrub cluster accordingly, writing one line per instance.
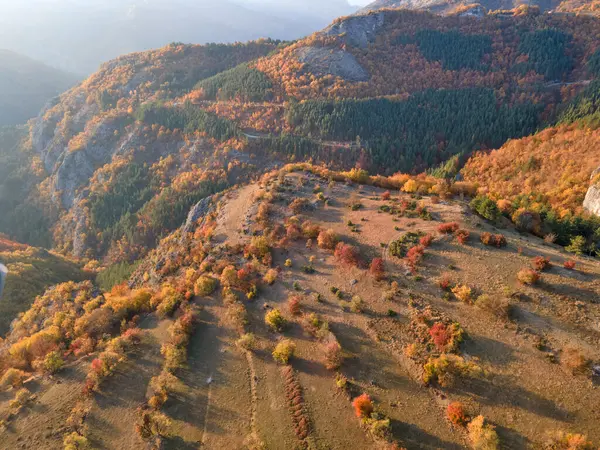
(448, 228)
(493, 240)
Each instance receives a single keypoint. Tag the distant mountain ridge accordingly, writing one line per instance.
(445, 6)
(26, 85)
(106, 30)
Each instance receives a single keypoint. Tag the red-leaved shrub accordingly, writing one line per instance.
(426, 240)
(462, 236)
(440, 335)
(363, 406)
(456, 414)
(448, 228)
(540, 263)
(570, 264)
(377, 269)
(414, 257)
(294, 305)
(347, 254)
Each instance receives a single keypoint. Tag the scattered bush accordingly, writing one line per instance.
(298, 205)
(445, 369)
(327, 240)
(463, 293)
(493, 240)
(288, 263)
(75, 441)
(284, 350)
(271, 276)
(363, 406)
(482, 435)
(448, 228)
(205, 286)
(377, 269)
(570, 264)
(445, 282)
(275, 320)
(414, 256)
(333, 355)
(294, 305)
(528, 276)
(575, 361)
(247, 341)
(462, 236)
(357, 304)
(22, 397)
(569, 441)
(426, 240)
(498, 307)
(456, 414)
(347, 254)
(541, 263)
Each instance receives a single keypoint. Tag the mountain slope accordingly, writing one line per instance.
(30, 272)
(26, 85)
(412, 334)
(389, 91)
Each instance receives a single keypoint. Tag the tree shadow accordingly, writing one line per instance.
(501, 391)
(412, 436)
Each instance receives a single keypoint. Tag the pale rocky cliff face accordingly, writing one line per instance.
(592, 198)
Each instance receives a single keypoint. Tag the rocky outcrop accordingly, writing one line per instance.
(3, 273)
(198, 211)
(327, 61)
(592, 198)
(357, 31)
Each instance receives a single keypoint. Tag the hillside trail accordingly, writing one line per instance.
(212, 405)
(114, 413)
(234, 218)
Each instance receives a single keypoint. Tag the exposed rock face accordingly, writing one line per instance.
(358, 30)
(592, 198)
(326, 61)
(199, 210)
(3, 273)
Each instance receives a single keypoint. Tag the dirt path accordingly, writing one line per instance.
(113, 415)
(213, 406)
(233, 218)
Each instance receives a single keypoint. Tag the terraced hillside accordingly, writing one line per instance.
(291, 298)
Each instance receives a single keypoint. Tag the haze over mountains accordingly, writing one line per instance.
(26, 85)
(78, 36)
